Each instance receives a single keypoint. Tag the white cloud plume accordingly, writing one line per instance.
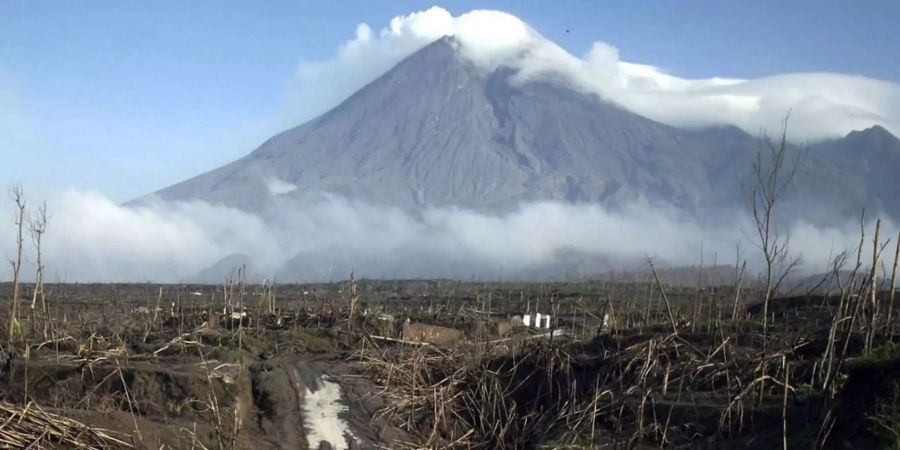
(823, 104)
(90, 238)
(277, 186)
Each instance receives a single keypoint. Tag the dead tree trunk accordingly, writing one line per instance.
(19, 198)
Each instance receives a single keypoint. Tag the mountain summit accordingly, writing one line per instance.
(437, 130)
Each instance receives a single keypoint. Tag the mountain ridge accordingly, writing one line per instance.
(436, 131)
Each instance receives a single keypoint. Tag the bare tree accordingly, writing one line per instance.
(37, 226)
(352, 296)
(740, 267)
(877, 249)
(665, 298)
(773, 173)
(889, 321)
(18, 196)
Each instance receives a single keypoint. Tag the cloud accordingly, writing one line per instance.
(90, 238)
(277, 186)
(823, 104)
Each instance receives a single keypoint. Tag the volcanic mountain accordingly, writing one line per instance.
(438, 130)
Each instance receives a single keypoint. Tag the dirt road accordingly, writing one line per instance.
(317, 404)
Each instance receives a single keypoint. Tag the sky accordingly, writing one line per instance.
(126, 97)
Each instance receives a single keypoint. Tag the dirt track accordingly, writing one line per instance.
(289, 419)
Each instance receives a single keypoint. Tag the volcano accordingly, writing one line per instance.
(437, 130)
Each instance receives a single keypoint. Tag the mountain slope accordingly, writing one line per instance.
(436, 130)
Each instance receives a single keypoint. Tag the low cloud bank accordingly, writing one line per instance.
(823, 104)
(90, 238)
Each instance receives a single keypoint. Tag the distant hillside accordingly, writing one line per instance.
(436, 130)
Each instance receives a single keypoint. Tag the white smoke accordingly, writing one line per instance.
(90, 238)
(277, 186)
(823, 104)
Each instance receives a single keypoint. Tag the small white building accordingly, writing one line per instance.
(540, 320)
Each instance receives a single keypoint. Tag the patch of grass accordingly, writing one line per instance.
(885, 418)
(310, 342)
(883, 352)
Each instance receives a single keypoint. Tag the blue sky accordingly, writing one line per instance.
(126, 97)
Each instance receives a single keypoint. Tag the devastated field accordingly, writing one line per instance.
(445, 364)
